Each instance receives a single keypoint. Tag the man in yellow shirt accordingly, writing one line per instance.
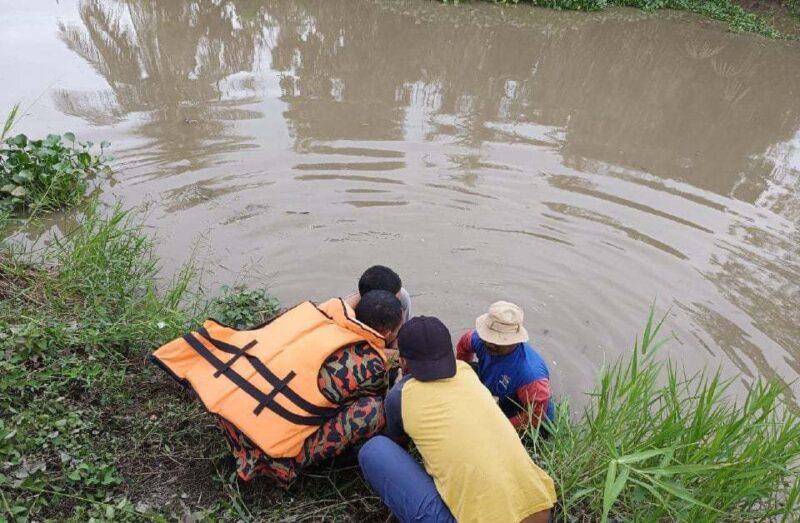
(476, 468)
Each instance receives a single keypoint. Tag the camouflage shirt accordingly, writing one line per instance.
(354, 377)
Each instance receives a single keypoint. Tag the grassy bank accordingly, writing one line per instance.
(658, 444)
(729, 12)
(89, 429)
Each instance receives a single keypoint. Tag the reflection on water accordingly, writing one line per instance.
(579, 164)
(167, 59)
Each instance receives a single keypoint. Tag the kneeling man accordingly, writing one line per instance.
(298, 391)
(476, 468)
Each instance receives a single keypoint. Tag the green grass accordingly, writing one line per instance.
(656, 444)
(88, 429)
(793, 7)
(727, 11)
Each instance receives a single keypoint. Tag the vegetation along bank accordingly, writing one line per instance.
(88, 429)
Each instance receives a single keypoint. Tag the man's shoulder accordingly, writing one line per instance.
(352, 300)
(351, 358)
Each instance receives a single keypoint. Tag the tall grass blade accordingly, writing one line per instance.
(641, 456)
(12, 116)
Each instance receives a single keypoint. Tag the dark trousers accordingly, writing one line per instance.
(402, 483)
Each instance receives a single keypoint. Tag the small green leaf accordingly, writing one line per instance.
(19, 191)
(684, 469)
(108, 478)
(608, 501)
(641, 456)
(19, 140)
(681, 492)
(24, 176)
(69, 136)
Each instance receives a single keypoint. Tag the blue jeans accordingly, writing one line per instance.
(402, 483)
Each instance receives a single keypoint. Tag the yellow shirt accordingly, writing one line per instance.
(479, 466)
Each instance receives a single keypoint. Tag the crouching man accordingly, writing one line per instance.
(508, 366)
(476, 468)
(298, 391)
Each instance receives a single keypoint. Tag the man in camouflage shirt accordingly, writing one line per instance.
(353, 377)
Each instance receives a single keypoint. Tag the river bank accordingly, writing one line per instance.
(90, 430)
(773, 19)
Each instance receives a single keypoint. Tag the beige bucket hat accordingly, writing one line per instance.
(502, 325)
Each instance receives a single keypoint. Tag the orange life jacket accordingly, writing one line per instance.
(264, 381)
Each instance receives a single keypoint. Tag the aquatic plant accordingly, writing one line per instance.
(47, 174)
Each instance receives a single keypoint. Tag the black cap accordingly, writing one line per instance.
(427, 348)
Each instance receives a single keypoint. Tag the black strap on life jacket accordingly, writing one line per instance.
(264, 400)
(241, 352)
(271, 378)
(274, 392)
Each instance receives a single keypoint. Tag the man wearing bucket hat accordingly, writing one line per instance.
(476, 468)
(507, 365)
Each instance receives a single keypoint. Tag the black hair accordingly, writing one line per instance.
(379, 278)
(380, 310)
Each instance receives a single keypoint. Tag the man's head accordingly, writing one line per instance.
(379, 278)
(382, 312)
(426, 349)
(501, 328)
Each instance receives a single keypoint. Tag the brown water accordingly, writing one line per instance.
(582, 165)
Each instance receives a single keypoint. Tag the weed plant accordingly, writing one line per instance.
(243, 308)
(793, 6)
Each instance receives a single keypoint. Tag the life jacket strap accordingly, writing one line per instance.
(270, 399)
(252, 390)
(271, 378)
(235, 357)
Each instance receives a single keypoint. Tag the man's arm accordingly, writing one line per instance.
(352, 300)
(533, 398)
(405, 302)
(393, 410)
(464, 350)
(352, 372)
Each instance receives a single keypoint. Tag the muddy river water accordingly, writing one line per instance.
(581, 165)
